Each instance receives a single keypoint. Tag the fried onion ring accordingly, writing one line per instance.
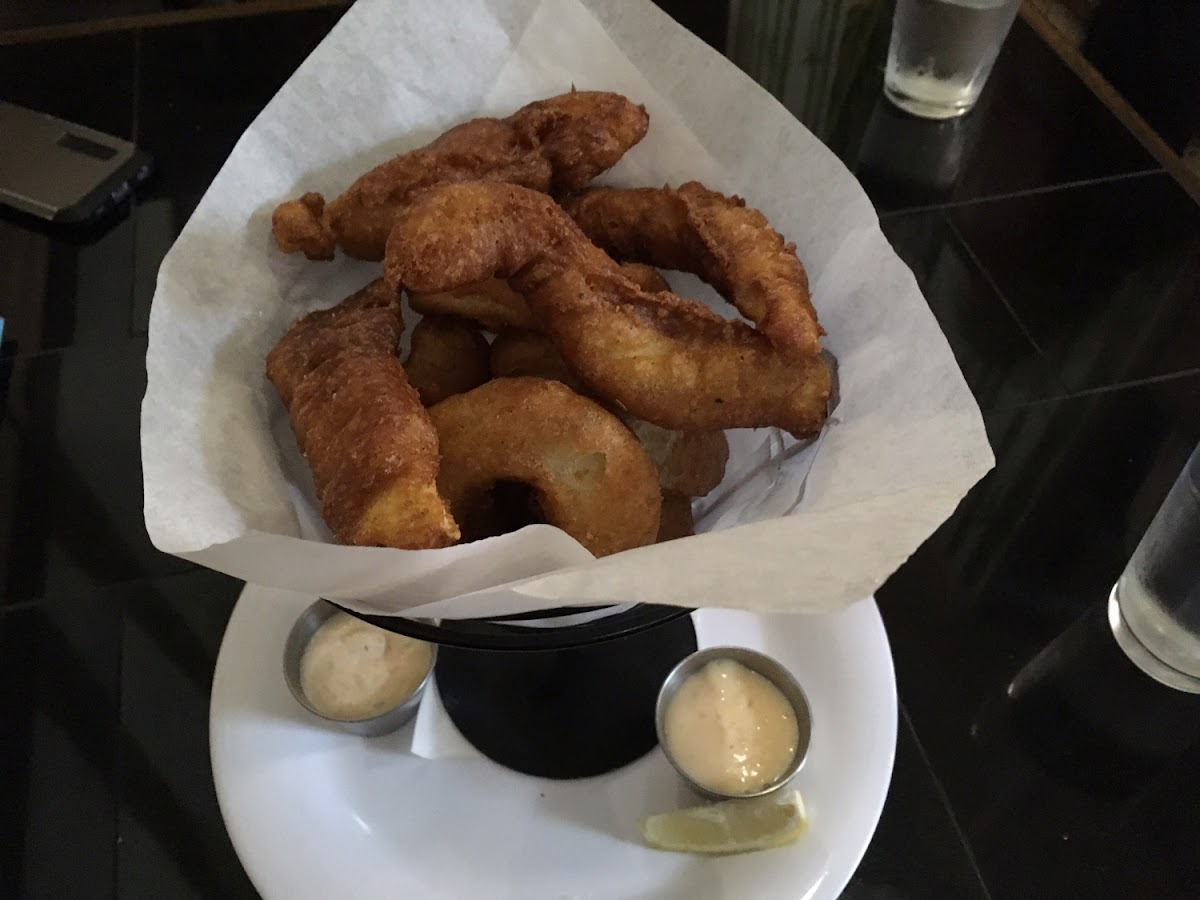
(720, 239)
(666, 359)
(370, 444)
(558, 144)
(448, 357)
(590, 476)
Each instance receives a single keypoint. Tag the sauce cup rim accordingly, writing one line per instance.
(771, 669)
(301, 633)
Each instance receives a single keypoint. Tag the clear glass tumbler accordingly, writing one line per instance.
(942, 52)
(1154, 608)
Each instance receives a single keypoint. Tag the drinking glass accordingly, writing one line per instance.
(1154, 608)
(942, 52)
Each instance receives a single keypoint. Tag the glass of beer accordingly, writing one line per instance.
(1154, 608)
(942, 52)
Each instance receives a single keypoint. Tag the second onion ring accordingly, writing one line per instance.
(590, 476)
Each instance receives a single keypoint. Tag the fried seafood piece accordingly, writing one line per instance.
(558, 144)
(644, 276)
(370, 444)
(515, 353)
(497, 307)
(590, 476)
(720, 239)
(489, 301)
(368, 318)
(688, 462)
(676, 520)
(448, 356)
(663, 358)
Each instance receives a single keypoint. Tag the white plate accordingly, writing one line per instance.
(316, 813)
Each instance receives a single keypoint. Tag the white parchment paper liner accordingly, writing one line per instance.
(790, 529)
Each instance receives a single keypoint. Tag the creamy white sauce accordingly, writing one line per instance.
(352, 670)
(730, 729)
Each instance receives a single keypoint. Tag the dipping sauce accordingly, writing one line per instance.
(730, 729)
(351, 670)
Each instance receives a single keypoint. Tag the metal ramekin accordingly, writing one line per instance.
(764, 665)
(302, 632)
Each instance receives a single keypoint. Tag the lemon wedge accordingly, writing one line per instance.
(734, 826)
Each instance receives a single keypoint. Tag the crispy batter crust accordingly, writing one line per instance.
(370, 444)
(516, 353)
(447, 357)
(497, 307)
(558, 144)
(666, 359)
(691, 463)
(676, 519)
(368, 318)
(489, 301)
(644, 276)
(590, 476)
(728, 244)
(688, 462)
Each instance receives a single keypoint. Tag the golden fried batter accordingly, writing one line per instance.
(728, 244)
(489, 301)
(368, 318)
(688, 462)
(558, 144)
(590, 476)
(667, 360)
(448, 357)
(515, 353)
(676, 519)
(644, 276)
(497, 307)
(369, 442)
